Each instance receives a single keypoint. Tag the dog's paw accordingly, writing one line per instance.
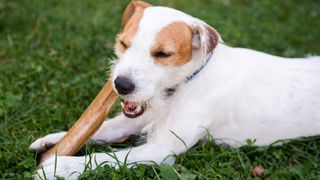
(46, 142)
(68, 167)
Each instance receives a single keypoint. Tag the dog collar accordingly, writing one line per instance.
(189, 78)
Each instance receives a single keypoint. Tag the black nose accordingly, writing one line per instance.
(124, 85)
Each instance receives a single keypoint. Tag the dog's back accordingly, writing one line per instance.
(268, 97)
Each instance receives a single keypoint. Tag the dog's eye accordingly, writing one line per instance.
(162, 54)
(124, 45)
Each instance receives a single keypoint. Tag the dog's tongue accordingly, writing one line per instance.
(130, 106)
(132, 109)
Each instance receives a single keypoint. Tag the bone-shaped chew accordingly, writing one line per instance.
(86, 126)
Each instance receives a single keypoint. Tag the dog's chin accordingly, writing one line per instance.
(133, 109)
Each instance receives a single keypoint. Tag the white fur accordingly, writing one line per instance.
(240, 94)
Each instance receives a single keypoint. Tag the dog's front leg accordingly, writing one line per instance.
(71, 167)
(158, 150)
(118, 128)
(110, 131)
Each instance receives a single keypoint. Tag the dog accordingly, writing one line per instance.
(179, 81)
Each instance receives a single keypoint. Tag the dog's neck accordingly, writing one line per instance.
(196, 72)
(171, 90)
(168, 92)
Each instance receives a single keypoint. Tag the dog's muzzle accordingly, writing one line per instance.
(125, 86)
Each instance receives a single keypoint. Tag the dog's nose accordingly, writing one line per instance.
(124, 85)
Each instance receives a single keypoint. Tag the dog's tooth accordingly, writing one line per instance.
(138, 109)
(122, 104)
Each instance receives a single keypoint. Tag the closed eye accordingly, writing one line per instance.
(162, 54)
(124, 45)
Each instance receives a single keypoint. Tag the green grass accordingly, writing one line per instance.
(53, 61)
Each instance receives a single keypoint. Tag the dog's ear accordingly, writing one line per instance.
(133, 7)
(204, 37)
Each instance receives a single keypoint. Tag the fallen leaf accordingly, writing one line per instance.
(257, 170)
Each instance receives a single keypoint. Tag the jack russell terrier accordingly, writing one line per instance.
(179, 81)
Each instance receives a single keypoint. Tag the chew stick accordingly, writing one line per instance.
(86, 126)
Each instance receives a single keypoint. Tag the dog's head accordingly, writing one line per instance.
(158, 48)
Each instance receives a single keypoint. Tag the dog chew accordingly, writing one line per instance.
(86, 126)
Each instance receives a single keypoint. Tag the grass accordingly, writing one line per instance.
(53, 61)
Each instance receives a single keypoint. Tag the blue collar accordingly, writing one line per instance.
(189, 78)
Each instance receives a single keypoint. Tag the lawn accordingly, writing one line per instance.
(54, 59)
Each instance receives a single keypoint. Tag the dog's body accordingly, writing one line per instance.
(201, 85)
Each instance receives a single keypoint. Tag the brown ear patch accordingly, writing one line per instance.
(130, 20)
(131, 9)
(173, 45)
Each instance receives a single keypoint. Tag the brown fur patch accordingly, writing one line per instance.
(132, 7)
(176, 40)
(130, 20)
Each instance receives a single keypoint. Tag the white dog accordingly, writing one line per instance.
(178, 81)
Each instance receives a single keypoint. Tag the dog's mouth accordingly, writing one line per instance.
(133, 109)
